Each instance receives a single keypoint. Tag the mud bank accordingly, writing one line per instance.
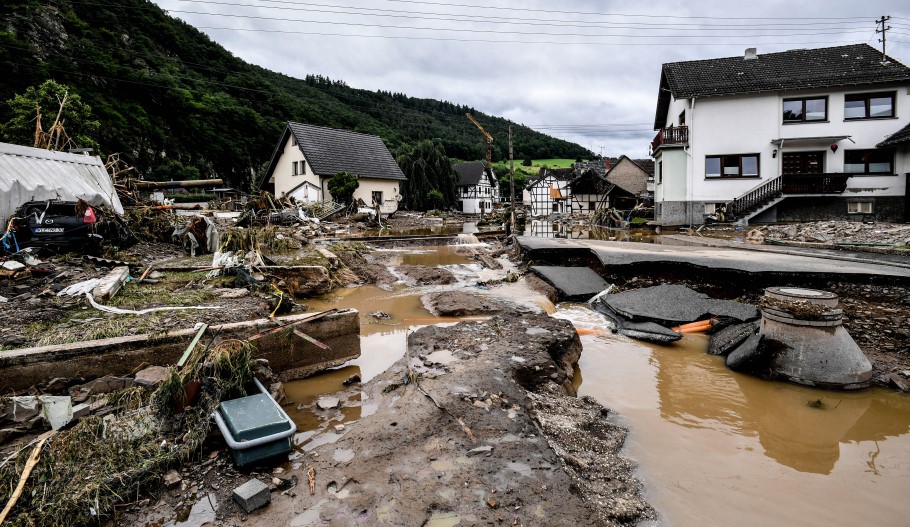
(472, 425)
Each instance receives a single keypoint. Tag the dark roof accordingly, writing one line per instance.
(631, 182)
(899, 137)
(470, 173)
(798, 69)
(645, 164)
(330, 151)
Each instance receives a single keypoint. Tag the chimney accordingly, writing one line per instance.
(607, 163)
(751, 54)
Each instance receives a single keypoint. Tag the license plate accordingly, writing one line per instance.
(43, 230)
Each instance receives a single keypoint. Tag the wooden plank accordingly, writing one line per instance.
(292, 324)
(310, 339)
(189, 350)
(111, 283)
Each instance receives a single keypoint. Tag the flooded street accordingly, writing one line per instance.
(718, 447)
(713, 446)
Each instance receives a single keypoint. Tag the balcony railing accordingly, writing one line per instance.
(815, 183)
(673, 135)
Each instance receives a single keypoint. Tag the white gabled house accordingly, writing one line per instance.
(807, 134)
(477, 187)
(307, 156)
(549, 193)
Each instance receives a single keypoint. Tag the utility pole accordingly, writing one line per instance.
(884, 30)
(512, 180)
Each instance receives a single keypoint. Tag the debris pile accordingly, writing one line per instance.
(128, 440)
(839, 232)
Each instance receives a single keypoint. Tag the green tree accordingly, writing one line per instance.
(427, 169)
(342, 186)
(527, 162)
(436, 199)
(75, 118)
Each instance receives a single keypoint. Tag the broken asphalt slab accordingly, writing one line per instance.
(572, 283)
(671, 305)
(619, 254)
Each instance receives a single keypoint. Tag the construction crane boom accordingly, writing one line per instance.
(486, 135)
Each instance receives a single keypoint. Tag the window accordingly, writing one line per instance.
(869, 106)
(710, 208)
(660, 172)
(731, 166)
(555, 207)
(303, 167)
(377, 197)
(682, 118)
(859, 207)
(804, 110)
(294, 168)
(592, 205)
(869, 161)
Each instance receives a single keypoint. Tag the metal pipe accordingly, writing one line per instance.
(243, 445)
(192, 183)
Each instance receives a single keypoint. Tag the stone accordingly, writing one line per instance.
(252, 495)
(353, 379)
(151, 377)
(328, 403)
(81, 410)
(106, 384)
(459, 304)
(901, 383)
(536, 332)
(172, 479)
(238, 292)
(480, 450)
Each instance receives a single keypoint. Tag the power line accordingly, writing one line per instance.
(294, 6)
(474, 30)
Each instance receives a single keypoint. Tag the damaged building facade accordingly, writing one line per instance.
(801, 135)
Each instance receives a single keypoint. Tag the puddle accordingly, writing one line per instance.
(430, 256)
(716, 447)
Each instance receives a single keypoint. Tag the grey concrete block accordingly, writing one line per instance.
(252, 495)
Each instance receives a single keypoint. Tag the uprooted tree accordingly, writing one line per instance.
(50, 116)
(342, 186)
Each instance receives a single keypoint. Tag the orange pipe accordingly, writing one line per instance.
(586, 331)
(695, 327)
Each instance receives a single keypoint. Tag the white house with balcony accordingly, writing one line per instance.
(307, 156)
(477, 188)
(807, 134)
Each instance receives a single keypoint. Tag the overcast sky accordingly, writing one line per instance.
(582, 70)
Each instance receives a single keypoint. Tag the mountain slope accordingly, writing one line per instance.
(173, 102)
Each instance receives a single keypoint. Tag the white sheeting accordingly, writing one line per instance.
(33, 174)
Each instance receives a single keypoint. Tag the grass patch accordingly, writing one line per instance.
(552, 163)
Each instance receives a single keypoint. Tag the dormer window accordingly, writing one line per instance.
(806, 110)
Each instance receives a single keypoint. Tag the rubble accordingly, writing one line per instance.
(840, 232)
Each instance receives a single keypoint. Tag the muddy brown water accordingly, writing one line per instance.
(714, 447)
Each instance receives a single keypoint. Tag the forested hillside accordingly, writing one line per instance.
(177, 105)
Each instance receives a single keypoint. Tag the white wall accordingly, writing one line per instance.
(748, 124)
(283, 175)
(674, 180)
(388, 187)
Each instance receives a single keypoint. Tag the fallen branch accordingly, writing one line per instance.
(26, 472)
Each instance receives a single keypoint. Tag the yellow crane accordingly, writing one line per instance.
(485, 134)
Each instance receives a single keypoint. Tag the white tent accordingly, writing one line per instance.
(33, 174)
